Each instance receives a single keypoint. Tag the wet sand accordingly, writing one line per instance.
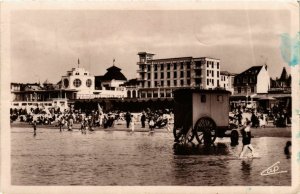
(268, 131)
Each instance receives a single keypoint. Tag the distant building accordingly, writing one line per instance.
(281, 84)
(227, 81)
(80, 80)
(159, 77)
(255, 80)
(132, 87)
(78, 83)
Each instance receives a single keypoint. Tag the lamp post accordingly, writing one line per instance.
(246, 95)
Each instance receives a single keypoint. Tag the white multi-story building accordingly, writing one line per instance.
(159, 77)
(79, 79)
(227, 81)
(88, 86)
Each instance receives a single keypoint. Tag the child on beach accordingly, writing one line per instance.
(246, 133)
(151, 124)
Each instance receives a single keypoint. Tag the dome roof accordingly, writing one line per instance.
(114, 73)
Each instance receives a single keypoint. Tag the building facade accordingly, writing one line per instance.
(227, 81)
(159, 77)
(80, 80)
(255, 80)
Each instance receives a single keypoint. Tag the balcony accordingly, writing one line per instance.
(197, 76)
(198, 67)
(141, 79)
(142, 71)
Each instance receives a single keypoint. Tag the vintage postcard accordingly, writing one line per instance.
(150, 97)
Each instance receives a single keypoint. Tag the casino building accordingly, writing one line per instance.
(159, 77)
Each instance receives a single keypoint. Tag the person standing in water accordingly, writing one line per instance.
(246, 134)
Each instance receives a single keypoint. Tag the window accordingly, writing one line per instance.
(207, 72)
(155, 83)
(168, 82)
(218, 65)
(207, 81)
(162, 67)
(218, 74)
(175, 82)
(168, 75)
(88, 82)
(155, 67)
(175, 74)
(181, 82)
(181, 73)
(181, 65)
(212, 73)
(239, 90)
(149, 67)
(66, 83)
(245, 80)
(212, 64)
(149, 84)
(218, 83)
(162, 95)
(162, 83)
(203, 98)
(77, 83)
(168, 66)
(213, 82)
(85, 73)
(188, 82)
(252, 89)
(161, 75)
(220, 98)
(149, 76)
(207, 63)
(188, 74)
(76, 73)
(175, 66)
(188, 65)
(155, 75)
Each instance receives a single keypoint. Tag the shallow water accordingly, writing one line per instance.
(123, 158)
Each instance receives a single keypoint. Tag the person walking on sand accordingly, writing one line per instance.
(143, 120)
(34, 128)
(246, 134)
(132, 123)
(128, 118)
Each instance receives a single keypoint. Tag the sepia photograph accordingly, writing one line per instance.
(163, 97)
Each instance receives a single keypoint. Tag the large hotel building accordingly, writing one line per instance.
(159, 77)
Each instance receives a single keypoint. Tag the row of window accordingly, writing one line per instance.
(77, 73)
(155, 95)
(175, 75)
(212, 64)
(175, 66)
(77, 83)
(167, 83)
(211, 72)
(212, 82)
(245, 89)
(246, 80)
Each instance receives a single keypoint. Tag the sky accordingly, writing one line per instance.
(47, 43)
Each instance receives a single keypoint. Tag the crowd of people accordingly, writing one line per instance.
(276, 116)
(88, 121)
